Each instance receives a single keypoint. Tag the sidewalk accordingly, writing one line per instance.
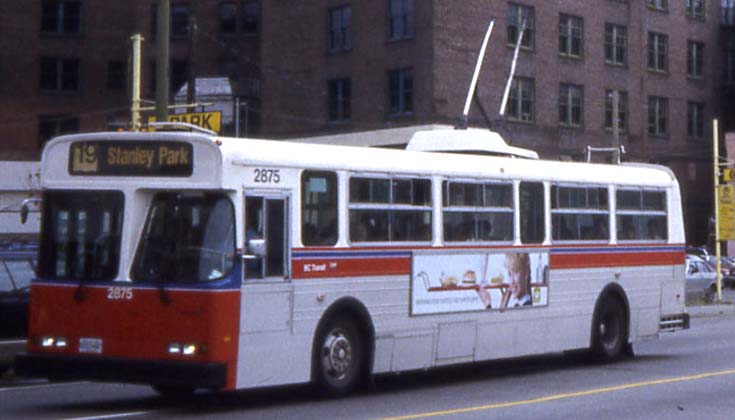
(715, 309)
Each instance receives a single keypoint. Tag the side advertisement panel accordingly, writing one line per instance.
(478, 280)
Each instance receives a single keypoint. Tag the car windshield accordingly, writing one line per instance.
(188, 238)
(81, 235)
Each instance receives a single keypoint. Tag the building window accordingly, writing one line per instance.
(59, 74)
(728, 12)
(695, 59)
(340, 29)
(695, 9)
(339, 91)
(400, 91)
(50, 126)
(517, 14)
(658, 4)
(520, 100)
(179, 74)
(695, 120)
(180, 20)
(116, 75)
(228, 18)
(616, 43)
(571, 33)
(402, 18)
(622, 110)
(251, 17)
(657, 52)
(658, 116)
(61, 17)
(570, 105)
(728, 66)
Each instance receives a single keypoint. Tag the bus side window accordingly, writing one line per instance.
(318, 208)
(532, 212)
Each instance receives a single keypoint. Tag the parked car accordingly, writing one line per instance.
(17, 268)
(701, 280)
(699, 251)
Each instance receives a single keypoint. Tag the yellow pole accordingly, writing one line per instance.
(715, 149)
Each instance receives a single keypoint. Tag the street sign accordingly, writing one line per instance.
(209, 120)
(726, 198)
(727, 175)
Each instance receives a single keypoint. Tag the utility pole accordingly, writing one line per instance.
(716, 174)
(162, 59)
(135, 99)
(191, 76)
(616, 126)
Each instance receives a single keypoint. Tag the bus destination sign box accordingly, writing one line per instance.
(138, 158)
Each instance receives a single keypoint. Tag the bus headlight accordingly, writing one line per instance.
(189, 349)
(47, 341)
(61, 342)
(174, 348)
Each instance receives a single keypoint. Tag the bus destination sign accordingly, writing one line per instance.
(136, 158)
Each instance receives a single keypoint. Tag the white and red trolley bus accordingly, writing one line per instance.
(187, 260)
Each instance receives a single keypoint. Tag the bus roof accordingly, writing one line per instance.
(220, 157)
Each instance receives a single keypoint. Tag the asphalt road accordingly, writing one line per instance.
(684, 375)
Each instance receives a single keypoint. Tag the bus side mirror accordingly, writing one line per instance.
(24, 210)
(255, 248)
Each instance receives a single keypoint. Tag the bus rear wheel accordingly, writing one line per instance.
(610, 337)
(340, 357)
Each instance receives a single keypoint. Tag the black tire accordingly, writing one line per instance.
(173, 392)
(339, 357)
(610, 335)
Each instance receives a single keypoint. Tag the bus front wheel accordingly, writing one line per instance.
(340, 357)
(610, 338)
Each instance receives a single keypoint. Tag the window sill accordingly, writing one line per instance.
(571, 57)
(400, 39)
(664, 73)
(616, 65)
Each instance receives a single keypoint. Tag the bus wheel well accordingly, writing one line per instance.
(346, 309)
(612, 295)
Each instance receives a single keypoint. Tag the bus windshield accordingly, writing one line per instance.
(188, 238)
(81, 235)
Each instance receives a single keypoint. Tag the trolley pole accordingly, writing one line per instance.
(135, 99)
(716, 174)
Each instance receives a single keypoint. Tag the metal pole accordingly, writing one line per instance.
(512, 68)
(616, 126)
(162, 59)
(247, 120)
(135, 96)
(716, 174)
(237, 116)
(473, 84)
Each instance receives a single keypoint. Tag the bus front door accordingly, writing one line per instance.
(267, 287)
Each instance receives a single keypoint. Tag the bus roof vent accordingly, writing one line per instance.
(469, 141)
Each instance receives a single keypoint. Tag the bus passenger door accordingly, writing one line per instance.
(267, 289)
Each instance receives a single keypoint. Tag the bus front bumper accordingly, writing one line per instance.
(157, 372)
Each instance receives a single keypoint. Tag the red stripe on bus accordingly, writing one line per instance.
(616, 259)
(141, 327)
(349, 267)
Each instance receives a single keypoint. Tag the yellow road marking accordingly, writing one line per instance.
(563, 396)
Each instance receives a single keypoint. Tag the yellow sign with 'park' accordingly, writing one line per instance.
(726, 198)
(209, 120)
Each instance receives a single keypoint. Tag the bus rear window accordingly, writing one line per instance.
(81, 235)
(188, 238)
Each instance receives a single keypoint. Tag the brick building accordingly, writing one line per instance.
(65, 66)
(330, 66)
(360, 65)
